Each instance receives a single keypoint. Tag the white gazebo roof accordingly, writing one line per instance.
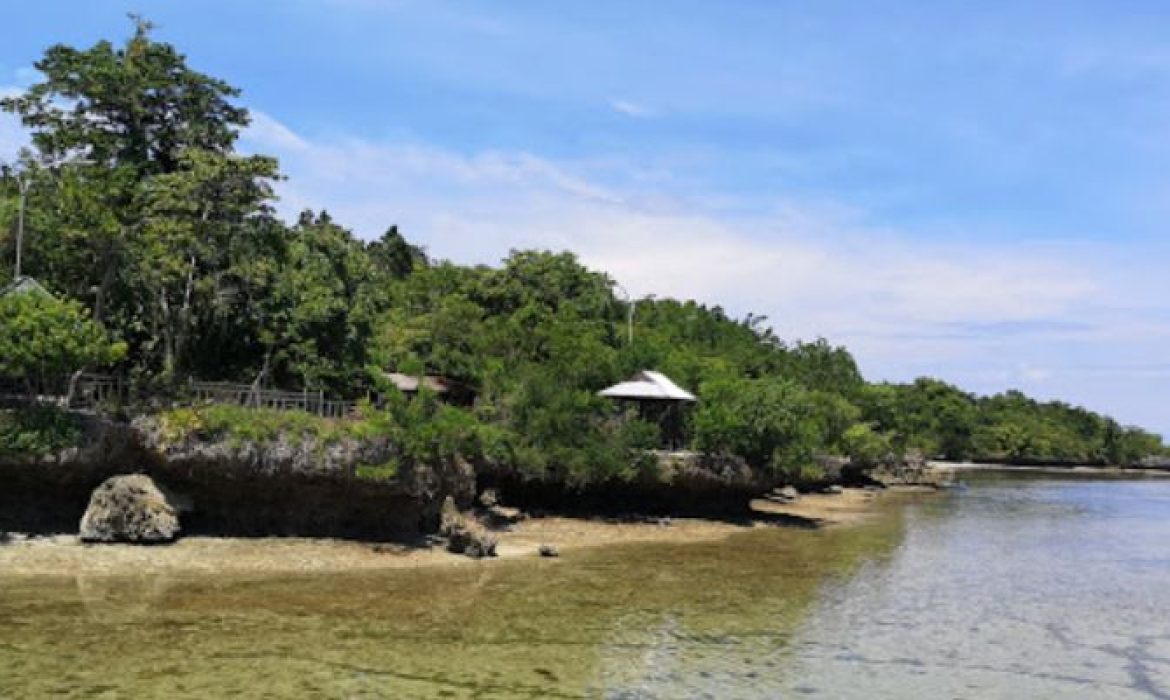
(648, 385)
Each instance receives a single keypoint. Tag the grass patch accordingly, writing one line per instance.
(264, 425)
(378, 472)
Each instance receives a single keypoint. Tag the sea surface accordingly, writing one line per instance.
(1017, 586)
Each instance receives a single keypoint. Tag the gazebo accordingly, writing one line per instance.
(658, 399)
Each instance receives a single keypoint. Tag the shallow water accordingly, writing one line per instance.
(1017, 588)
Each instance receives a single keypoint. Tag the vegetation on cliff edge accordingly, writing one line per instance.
(141, 209)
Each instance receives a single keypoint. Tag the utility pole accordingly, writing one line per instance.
(630, 303)
(630, 320)
(22, 184)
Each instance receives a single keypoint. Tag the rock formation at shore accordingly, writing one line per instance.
(464, 534)
(682, 483)
(300, 485)
(286, 486)
(913, 469)
(130, 508)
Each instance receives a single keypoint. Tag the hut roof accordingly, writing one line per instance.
(24, 285)
(648, 385)
(410, 385)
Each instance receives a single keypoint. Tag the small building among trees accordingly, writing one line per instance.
(658, 400)
(24, 285)
(448, 390)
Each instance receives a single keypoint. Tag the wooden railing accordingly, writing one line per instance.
(247, 395)
(91, 391)
(88, 390)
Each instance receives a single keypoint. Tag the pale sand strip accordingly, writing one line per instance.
(64, 555)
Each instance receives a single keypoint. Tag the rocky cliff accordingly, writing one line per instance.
(282, 486)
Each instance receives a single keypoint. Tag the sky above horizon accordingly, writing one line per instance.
(972, 191)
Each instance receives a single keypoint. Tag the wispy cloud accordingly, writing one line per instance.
(630, 109)
(985, 315)
(268, 131)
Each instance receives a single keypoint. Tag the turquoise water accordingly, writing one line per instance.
(1017, 587)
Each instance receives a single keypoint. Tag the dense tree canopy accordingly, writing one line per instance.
(141, 209)
(43, 338)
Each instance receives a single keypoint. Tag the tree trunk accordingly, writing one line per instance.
(254, 397)
(73, 379)
(182, 330)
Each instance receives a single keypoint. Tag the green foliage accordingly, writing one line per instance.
(762, 420)
(569, 434)
(42, 338)
(138, 104)
(262, 426)
(38, 430)
(865, 446)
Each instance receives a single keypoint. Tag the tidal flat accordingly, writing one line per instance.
(1017, 586)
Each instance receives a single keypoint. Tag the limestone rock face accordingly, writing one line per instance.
(911, 470)
(464, 534)
(130, 508)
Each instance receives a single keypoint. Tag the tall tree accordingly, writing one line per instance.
(191, 216)
(137, 106)
(127, 113)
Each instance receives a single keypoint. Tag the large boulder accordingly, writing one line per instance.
(131, 508)
(464, 534)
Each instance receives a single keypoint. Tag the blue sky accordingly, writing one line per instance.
(976, 191)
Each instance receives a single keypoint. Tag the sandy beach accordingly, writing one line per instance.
(63, 555)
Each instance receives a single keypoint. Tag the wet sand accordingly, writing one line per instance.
(65, 555)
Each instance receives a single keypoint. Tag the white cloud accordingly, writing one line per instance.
(476, 207)
(630, 109)
(272, 134)
(987, 316)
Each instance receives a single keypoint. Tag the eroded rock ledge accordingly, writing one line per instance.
(286, 486)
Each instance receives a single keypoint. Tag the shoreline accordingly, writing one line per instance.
(1086, 469)
(65, 555)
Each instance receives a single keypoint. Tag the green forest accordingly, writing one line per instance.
(160, 242)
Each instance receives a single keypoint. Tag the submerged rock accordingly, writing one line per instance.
(548, 550)
(464, 534)
(131, 508)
